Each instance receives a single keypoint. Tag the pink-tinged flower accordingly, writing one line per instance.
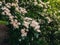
(11, 17)
(23, 30)
(7, 13)
(37, 27)
(22, 10)
(34, 23)
(26, 24)
(15, 23)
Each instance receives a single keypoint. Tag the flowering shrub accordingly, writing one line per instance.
(31, 22)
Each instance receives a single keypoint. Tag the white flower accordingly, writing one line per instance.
(34, 23)
(40, 5)
(49, 20)
(13, 4)
(24, 34)
(17, 9)
(0, 3)
(11, 17)
(59, 11)
(15, 23)
(59, 29)
(27, 30)
(8, 5)
(7, 10)
(19, 23)
(23, 31)
(42, 2)
(3, 13)
(26, 24)
(47, 2)
(7, 13)
(38, 30)
(58, 17)
(11, 20)
(35, 0)
(46, 6)
(4, 8)
(19, 39)
(32, 39)
(37, 27)
(15, 20)
(17, 1)
(35, 3)
(22, 10)
(45, 10)
(27, 19)
(15, 16)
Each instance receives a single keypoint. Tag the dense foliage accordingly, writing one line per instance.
(31, 22)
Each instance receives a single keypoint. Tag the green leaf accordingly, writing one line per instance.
(3, 22)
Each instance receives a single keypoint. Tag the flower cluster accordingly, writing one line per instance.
(13, 21)
(27, 21)
(7, 12)
(23, 32)
(35, 25)
(40, 18)
(31, 22)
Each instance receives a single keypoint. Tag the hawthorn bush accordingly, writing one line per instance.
(31, 22)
